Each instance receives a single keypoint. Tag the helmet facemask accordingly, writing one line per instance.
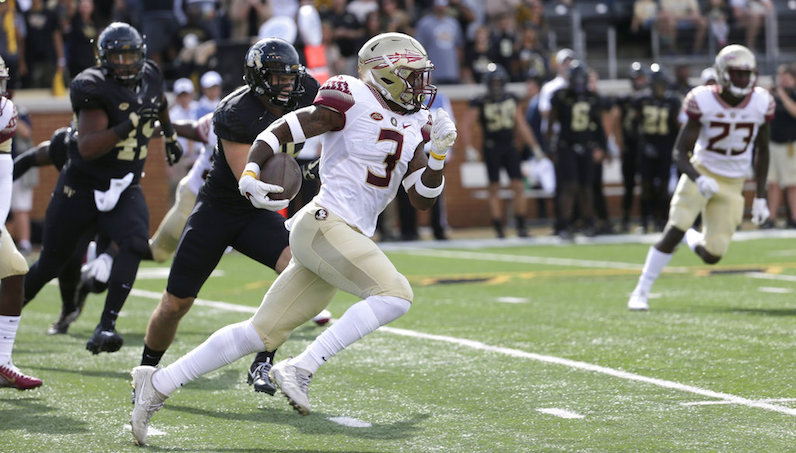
(736, 68)
(125, 65)
(4, 76)
(273, 71)
(121, 52)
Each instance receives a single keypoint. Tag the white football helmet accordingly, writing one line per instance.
(739, 58)
(3, 77)
(398, 67)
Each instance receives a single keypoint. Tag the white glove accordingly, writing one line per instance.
(257, 193)
(472, 154)
(443, 134)
(99, 268)
(760, 212)
(707, 186)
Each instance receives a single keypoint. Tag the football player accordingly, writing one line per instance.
(624, 115)
(373, 131)
(276, 83)
(714, 150)
(115, 104)
(579, 146)
(657, 126)
(500, 114)
(12, 264)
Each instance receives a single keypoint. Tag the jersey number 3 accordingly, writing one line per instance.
(725, 129)
(390, 161)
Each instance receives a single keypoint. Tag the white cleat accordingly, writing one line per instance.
(638, 301)
(294, 383)
(147, 401)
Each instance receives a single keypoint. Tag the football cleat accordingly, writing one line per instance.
(10, 376)
(323, 317)
(61, 325)
(258, 375)
(147, 401)
(104, 341)
(638, 301)
(294, 383)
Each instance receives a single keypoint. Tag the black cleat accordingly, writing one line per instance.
(61, 325)
(104, 341)
(258, 375)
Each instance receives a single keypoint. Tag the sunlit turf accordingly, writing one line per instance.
(501, 326)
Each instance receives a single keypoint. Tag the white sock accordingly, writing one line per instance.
(359, 320)
(8, 331)
(693, 238)
(656, 261)
(225, 346)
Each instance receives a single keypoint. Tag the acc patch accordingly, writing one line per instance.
(321, 214)
(124, 106)
(376, 116)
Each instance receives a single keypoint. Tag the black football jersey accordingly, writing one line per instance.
(627, 107)
(579, 117)
(93, 89)
(498, 118)
(239, 118)
(656, 121)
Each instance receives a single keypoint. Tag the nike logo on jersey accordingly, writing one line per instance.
(406, 125)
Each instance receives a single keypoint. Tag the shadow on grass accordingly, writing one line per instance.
(761, 311)
(29, 414)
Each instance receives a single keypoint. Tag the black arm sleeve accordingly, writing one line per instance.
(24, 162)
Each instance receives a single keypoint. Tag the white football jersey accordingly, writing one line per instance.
(728, 133)
(363, 164)
(201, 166)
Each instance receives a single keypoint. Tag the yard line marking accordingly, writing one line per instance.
(525, 355)
(710, 403)
(559, 412)
(525, 259)
(350, 422)
(512, 300)
(774, 290)
(766, 276)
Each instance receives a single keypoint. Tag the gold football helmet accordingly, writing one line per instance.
(397, 66)
(733, 58)
(3, 77)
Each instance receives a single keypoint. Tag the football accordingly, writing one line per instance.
(283, 170)
(323, 317)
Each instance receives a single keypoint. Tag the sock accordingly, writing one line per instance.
(123, 272)
(225, 346)
(656, 261)
(693, 238)
(8, 331)
(262, 356)
(520, 221)
(498, 225)
(151, 357)
(359, 320)
(67, 283)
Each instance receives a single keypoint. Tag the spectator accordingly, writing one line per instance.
(334, 59)
(677, 14)
(751, 14)
(442, 37)
(44, 45)
(80, 36)
(362, 8)
(245, 17)
(348, 32)
(530, 13)
(530, 59)
(503, 42)
(394, 19)
(717, 14)
(644, 15)
(12, 44)
(211, 93)
(464, 13)
(158, 27)
(681, 84)
(782, 166)
(477, 57)
(184, 108)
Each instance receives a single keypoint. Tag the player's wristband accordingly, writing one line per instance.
(429, 192)
(435, 163)
(124, 128)
(270, 139)
(251, 169)
(295, 127)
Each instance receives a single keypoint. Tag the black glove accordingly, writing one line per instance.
(173, 149)
(148, 113)
(310, 170)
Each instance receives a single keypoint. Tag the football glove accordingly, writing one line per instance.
(760, 212)
(443, 134)
(257, 192)
(707, 186)
(99, 268)
(173, 149)
(309, 170)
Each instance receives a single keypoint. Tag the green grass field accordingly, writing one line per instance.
(506, 349)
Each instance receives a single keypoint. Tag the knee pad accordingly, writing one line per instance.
(387, 308)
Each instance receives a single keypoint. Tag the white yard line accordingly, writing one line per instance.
(711, 403)
(774, 290)
(526, 355)
(563, 413)
(766, 276)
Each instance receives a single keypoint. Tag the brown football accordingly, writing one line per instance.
(283, 170)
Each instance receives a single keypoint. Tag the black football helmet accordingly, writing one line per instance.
(638, 76)
(274, 57)
(495, 79)
(121, 52)
(659, 81)
(578, 76)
